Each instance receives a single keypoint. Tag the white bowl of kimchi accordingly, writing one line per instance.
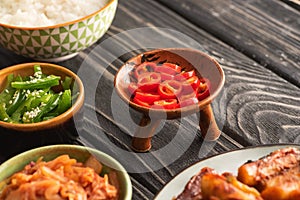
(64, 172)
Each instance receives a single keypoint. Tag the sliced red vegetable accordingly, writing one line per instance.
(204, 83)
(169, 89)
(191, 95)
(132, 88)
(188, 102)
(203, 95)
(165, 76)
(164, 85)
(167, 69)
(193, 82)
(166, 104)
(147, 97)
(144, 68)
(185, 75)
(204, 89)
(177, 68)
(141, 103)
(149, 81)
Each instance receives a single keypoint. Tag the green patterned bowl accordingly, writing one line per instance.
(59, 42)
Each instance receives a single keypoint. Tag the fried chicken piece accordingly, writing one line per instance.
(283, 187)
(226, 187)
(208, 185)
(192, 190)
(276, 176)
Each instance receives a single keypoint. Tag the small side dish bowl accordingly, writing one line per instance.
(23, 136)
(203, 67)
(188, 59)
(80, 153)
(54, 43)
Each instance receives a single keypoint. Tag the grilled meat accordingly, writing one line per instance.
(273, 177)
(276, 176)
(208, 185)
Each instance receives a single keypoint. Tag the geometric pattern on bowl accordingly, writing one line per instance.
(57, 41)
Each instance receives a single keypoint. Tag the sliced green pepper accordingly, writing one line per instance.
(3, 115)
(51, 104)
(7, 94)
(41, 83)
(18, 99)
(66, 84)
(30, 99)
(16, 116)
(65, 102)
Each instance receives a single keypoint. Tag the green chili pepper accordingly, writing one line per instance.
(41, 83)
(3, 115)
(18, 98)
(51, 104)
(7, 94)
(30, 99)
(39, 96)
(65, 102)
(16, 116)
(66, 84)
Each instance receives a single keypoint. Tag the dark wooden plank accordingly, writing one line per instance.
(266, 31)
(245, 109)
(240, 109)
(247, 82)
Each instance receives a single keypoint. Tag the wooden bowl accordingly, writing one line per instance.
(80, 153)
(189, 59)
(58, 129)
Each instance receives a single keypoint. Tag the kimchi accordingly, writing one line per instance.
(62, 178)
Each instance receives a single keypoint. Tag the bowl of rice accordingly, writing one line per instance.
(54, 30)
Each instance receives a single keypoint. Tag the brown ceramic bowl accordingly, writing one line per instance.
(58, 129)
(189, 59)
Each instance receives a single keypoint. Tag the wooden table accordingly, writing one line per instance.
(257, 42)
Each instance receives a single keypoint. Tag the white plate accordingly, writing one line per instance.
(228, 162)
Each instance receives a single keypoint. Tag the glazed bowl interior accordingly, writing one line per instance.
(189, 59)
(47, 68)
(80, 153)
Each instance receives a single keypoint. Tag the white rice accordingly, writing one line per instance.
(35, 13)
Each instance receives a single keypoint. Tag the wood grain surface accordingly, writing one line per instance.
(257, 44)
(266, 31)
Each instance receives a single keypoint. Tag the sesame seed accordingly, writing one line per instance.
(5, 119)
(28, 115)
(10, 102)
(6, 90)
(15, 95)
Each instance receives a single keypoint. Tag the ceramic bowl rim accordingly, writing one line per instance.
(58, 147)
(76, 106)
(108, 4)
